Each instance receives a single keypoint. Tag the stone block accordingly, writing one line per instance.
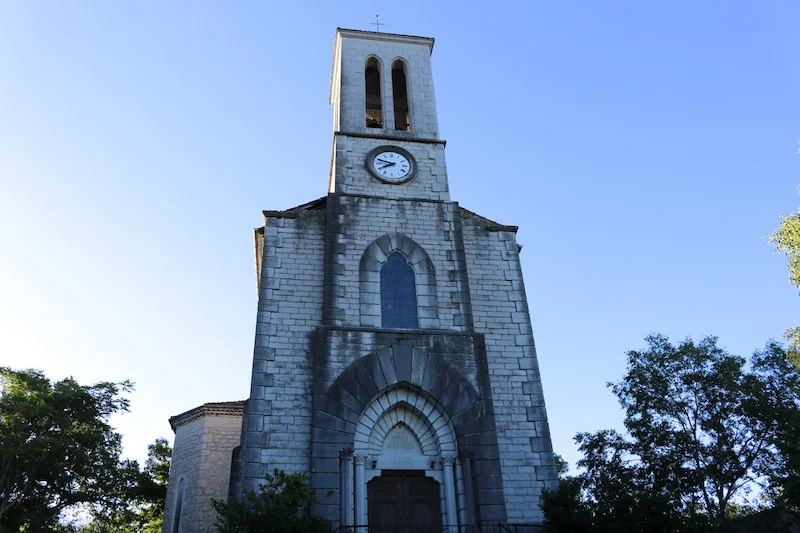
(419, 361)
(375, 372)
(386, 360)
(541, 444)
(329, 441)
(536, 414)
(546, 472)
(402, 362)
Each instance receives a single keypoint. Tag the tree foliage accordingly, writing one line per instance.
(57, 449)
(787, 241)
(707, 436)
(142, 510)
(566, 508)
(282, 505)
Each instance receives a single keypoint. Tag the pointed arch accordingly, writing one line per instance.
(371, 385)
(375, 257)
(404, 407)
(401, 386)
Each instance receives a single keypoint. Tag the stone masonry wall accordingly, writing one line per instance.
(355, 222)
(202, 458)
(276, 429)
(311, 277)
(500, 312)
(221, 434)
(352, 176)
(186, 454)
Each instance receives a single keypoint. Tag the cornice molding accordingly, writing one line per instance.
(207, 409)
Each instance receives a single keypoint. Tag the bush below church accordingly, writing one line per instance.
(281, 505)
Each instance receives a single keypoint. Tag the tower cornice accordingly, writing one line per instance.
(388, 37)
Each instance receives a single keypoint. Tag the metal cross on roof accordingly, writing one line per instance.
(377, 23)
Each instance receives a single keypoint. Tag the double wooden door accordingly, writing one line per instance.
(404, 501)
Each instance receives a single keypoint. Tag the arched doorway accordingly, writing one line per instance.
(404, 460)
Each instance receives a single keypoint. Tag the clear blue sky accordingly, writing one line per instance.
(643, 148)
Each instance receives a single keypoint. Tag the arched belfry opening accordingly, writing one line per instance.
(372, 84)
(400, 96)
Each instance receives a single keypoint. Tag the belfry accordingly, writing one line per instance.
(394, 360)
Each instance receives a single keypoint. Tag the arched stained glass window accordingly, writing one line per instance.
(398, 293)
(372, 81)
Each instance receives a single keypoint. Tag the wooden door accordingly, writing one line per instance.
(404, 502)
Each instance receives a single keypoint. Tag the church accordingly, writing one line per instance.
(394, 361)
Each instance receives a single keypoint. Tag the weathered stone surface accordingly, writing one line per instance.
(201, 457)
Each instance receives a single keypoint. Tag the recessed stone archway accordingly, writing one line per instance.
(434, 388)
(400, 405)
(401, 430)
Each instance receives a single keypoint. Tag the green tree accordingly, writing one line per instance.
(57, 449)
(781, 380)
(141, 509)
(787, 241)
(282, 505)
(707, 436)
(566, 508)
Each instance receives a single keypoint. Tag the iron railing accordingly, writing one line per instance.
(482, 528)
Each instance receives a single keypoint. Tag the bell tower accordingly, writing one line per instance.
(382, 96)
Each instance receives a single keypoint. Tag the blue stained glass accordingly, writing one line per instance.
(398, 293)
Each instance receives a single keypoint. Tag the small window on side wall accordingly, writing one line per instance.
(372, 83)
(400, 96)
(398, 293)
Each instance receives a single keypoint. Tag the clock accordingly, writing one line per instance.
(391, 164)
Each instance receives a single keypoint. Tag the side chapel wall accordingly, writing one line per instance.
(201, 457)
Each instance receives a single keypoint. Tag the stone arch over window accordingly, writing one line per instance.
(402, 116)
(375, 258)
(372, 86)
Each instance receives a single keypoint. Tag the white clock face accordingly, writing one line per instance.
(391, 166)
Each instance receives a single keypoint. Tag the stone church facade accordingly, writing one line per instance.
(394, 360)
